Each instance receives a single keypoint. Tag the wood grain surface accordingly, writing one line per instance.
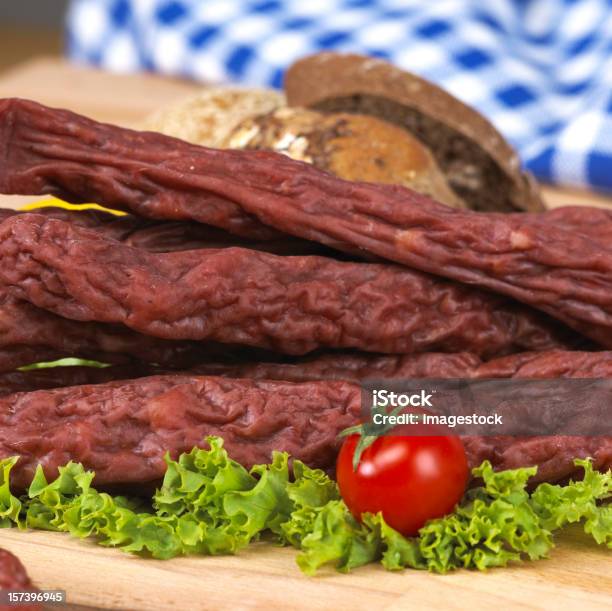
(577, 576)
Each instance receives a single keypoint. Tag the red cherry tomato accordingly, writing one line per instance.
(409, 479)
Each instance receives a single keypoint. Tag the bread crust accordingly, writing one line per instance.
(319, 80)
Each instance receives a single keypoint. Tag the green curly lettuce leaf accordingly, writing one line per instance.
(310, 491)
(210, 504)
(494, 525)
(192, 499)
(67, 362)
(558, 506)
(335, 537)
(70, 504)
(10, 506)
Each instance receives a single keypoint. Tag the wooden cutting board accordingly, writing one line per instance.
(578, 574)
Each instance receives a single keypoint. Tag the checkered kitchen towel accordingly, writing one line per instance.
(541, 70)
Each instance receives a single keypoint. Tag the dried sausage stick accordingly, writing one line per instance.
(237, 296)
(561, 272)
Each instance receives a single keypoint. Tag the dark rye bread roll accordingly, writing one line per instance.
(353, 147)
(479, 164)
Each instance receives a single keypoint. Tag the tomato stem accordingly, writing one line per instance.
(369, 432)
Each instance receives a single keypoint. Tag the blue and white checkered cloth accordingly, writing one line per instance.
(541, 70)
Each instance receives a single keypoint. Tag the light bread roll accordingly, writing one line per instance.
(209, 117)
(353, 147)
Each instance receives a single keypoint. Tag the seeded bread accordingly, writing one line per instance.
(480, 166)
(354, 147)
(209, 117)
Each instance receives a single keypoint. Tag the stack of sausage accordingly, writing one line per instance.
(247, 294)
